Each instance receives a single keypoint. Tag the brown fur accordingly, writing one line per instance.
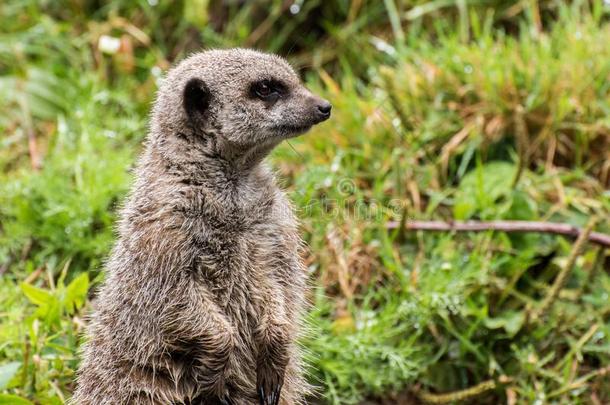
(204, 287)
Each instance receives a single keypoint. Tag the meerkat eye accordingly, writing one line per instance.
(267, 90)
(263, 90)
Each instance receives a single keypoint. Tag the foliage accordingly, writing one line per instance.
(442, 110)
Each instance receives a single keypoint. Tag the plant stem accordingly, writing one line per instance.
(565, 272)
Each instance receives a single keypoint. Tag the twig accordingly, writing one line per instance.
(522, 138)
(581, 381)
(29, 129)
(503, 226)
(464, 394)
(336, 245)
(266, 25)
(565, 271)
(395, 103)
(34, 275)
(578, 346)
(597, 264)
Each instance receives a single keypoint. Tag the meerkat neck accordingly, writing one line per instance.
(245, 159)
(215, 166)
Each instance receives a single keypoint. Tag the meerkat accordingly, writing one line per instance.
(205, 287)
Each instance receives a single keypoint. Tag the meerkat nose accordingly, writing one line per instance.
(324, 109)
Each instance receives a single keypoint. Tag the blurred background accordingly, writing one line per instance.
(443, 110)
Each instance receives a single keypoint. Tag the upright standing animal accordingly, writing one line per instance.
(205, 287)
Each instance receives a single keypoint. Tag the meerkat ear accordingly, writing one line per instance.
(196, 98)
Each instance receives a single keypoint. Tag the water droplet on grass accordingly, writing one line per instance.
(295, 8)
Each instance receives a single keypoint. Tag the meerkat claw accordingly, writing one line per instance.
(277, 393)
(269, 396)
(226, 401)
(274, 397)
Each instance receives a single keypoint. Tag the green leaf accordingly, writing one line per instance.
(196, 12)
(463, 209)
(510, 321)
(480, 189)
(36, 295)
(7, 372)
(6, 399)
(48, 305)
(522, 207)
(76, 292)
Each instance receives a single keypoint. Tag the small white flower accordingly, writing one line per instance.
(108, 44)
(383, 46)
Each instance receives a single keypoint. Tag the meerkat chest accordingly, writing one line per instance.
(244, 251)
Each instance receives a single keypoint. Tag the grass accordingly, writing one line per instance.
(441, 111)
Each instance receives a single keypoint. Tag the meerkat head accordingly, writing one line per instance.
(244, 97)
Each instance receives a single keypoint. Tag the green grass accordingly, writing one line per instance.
(442, 110)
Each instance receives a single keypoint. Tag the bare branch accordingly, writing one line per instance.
(503, 226)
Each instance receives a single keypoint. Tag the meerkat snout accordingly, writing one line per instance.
(324, 110)
(321, 110)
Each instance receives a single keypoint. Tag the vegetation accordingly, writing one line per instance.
(442, 110)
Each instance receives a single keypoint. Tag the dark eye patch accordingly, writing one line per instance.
(268, 90)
